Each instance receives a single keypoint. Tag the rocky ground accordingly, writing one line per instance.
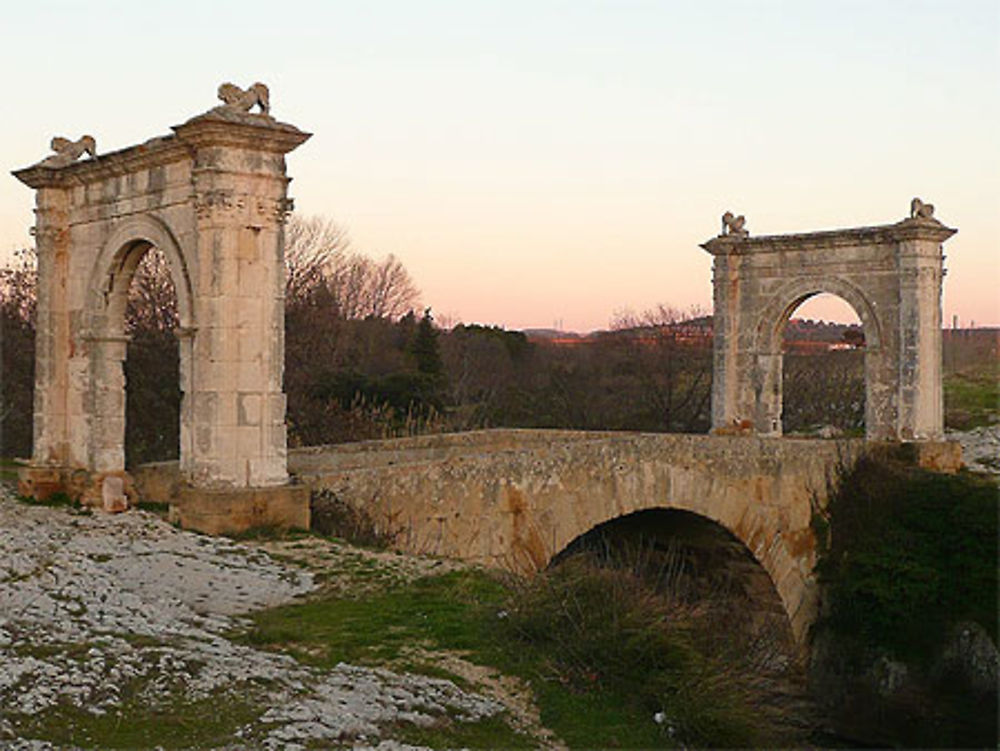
(99, 612)
(980, 448)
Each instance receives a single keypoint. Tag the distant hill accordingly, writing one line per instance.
(797, 330)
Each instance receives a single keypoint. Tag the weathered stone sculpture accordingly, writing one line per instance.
(734, 225)
(68, 151)
(238, 100)
(921, 210)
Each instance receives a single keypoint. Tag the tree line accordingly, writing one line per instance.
(361, 362)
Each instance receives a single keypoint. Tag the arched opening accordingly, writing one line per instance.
(823, 368)
(708, 596)
(695, 563)
(139, 289)
(152, 361)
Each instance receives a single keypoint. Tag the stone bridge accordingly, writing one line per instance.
(516, 498)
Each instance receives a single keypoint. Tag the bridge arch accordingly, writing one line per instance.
(515, 499)
(785, 555)
(691, 560)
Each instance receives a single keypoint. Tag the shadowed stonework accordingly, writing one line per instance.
(212, 197)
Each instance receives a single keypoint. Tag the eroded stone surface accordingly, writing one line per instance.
(94, 606)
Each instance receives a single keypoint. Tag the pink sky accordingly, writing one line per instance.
(541, 162)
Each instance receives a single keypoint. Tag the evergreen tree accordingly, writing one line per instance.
(424, 348)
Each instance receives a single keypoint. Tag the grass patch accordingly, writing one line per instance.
(600, 655)
(55, 500)
(972, 397)
(154, 507)
(138, 723)
(72, 651)
(491, 732)
(440, 611)
(269, 532)
(8, 470)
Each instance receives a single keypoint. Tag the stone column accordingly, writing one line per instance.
(106, 448)
(51, 440)
(237, 412)
(921, 268)
(726, 294)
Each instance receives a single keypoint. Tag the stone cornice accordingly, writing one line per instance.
(907, 229)
(155, 152)
(211, 129)
(257, 132)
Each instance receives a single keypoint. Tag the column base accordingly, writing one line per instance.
(110, 491)
(227, 511)
(937, 456)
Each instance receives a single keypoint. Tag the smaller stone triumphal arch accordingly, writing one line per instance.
(212, 197)
(891, 275)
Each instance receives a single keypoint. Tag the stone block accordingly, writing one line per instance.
(113, 497)
(939, 456)
(250, 377)
(235, 510)
(248, 409)
(40, 483)
(248, 442)
(277, 407)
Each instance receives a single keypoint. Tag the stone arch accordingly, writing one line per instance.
(104, 316)
(890, 274)
(212, 196)
(756, 532)
(775, 312)
(115, 265)
(722, 535)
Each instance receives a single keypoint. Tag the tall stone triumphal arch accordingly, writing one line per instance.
(212, 197)
(891, 275)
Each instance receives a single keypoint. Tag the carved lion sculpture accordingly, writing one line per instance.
(734, 225)
(921, 210)
(68, 151)
(238, 100)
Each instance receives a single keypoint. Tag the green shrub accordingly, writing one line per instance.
(910, 554)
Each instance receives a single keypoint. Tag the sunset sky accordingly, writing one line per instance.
(544, 162)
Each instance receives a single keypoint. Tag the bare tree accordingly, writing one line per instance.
(152, 297)
(670, 353)
(314, 248)
(318, 254)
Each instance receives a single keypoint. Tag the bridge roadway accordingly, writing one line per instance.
(516, 498)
